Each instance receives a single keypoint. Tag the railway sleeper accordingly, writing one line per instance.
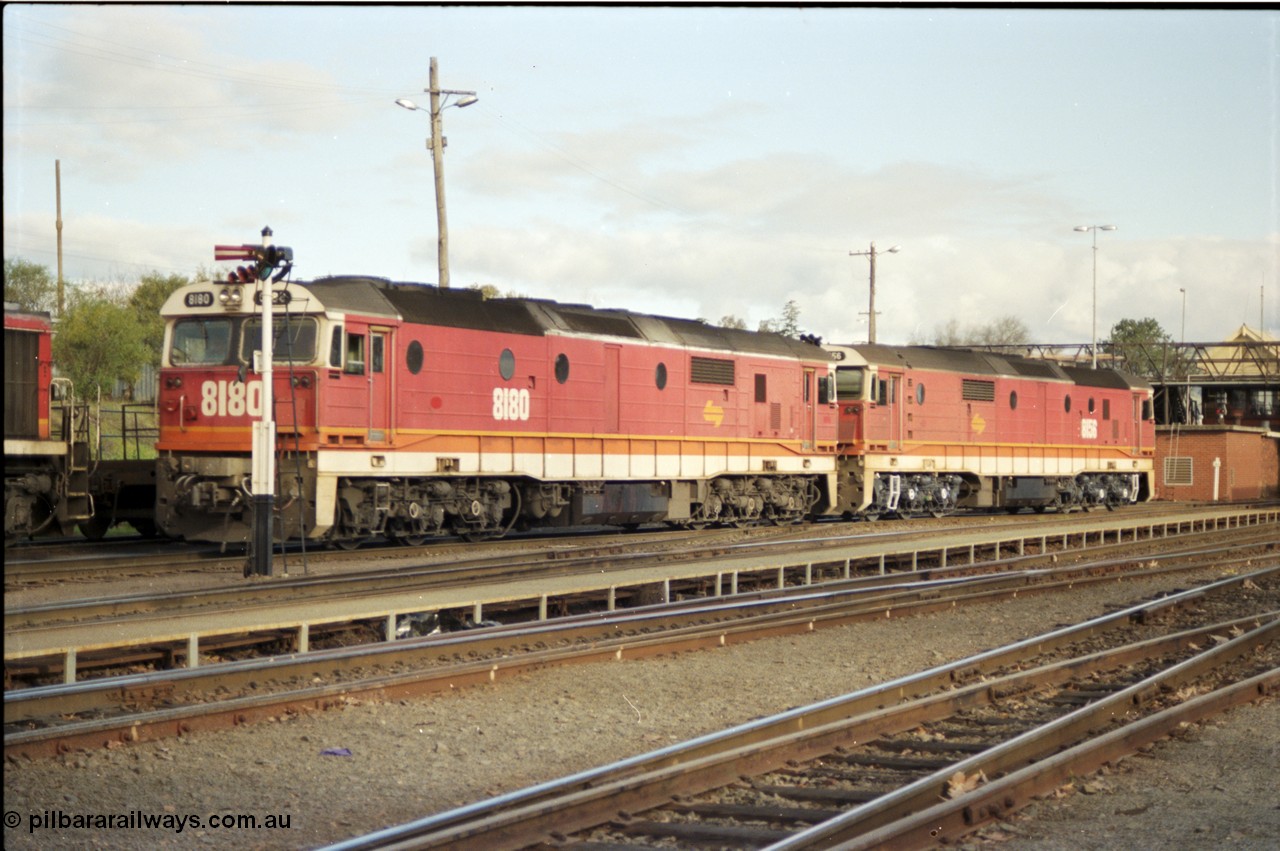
(724, 835)
(760, 812)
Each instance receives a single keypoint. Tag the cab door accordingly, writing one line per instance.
(888, 388)
(810, 425)
(379, 384)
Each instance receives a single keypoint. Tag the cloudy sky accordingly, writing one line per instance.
(688, 162)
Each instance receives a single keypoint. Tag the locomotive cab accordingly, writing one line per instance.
(211, 391)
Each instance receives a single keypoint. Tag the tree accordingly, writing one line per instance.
(487, 291)
(146, 300)
(29, 285)
(733, 322)
(98, 342)
(1001, 331)
(788, 324)
(1143, 347)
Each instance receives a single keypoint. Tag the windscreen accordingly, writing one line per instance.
(200, 341)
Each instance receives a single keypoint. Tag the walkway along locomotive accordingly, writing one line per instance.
(409, 411)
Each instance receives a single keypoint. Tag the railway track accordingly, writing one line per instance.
(42, 721)
(914, 762)
(81, 561)
(176, 627)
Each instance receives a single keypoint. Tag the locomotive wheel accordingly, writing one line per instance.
(413, 540)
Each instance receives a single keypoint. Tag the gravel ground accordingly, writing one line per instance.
(1217, 787)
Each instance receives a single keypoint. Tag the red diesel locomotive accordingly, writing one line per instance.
(46, 439)
(932, 430)
(409, 411)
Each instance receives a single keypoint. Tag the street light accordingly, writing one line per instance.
(871, 254)
(1183, 290)
(1095, 229)
(437, 143)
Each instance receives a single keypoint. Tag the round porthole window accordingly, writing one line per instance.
(1013, 400)
(660, 376)
(1066, 404)
(413, 357)
(507, 364)
(919, 394)
(562, 368)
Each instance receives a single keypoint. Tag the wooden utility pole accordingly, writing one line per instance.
(871, 255)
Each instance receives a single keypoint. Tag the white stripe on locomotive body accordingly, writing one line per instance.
(1004, 465)
(564, 467)
(20, 446)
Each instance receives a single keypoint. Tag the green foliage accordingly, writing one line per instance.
(98, 341)
(487, 291)
(29, 285)
(145, 303)
(787, 324)
(1143, 347)
(490, 291)
(732, 322)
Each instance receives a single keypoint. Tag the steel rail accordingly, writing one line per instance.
(306, 621)
(754, 734)
(589, 638)
(44, 562)
(1008, 759)
(920, 583)
(572, 805)
(897, 543)
(45, 631)
(951, 820)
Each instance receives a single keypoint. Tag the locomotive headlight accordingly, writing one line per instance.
(236, 296)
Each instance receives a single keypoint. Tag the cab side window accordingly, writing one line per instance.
(355, 355)
(335, 348)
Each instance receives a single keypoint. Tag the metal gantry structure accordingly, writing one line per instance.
(1233, 382)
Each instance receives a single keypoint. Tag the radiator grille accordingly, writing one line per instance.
(711, 371)
(977, 391)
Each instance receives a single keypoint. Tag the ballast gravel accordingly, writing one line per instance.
(346, 772)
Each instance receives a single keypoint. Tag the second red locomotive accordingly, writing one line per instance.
(927, 430)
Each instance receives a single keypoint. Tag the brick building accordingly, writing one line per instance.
(1247, 462)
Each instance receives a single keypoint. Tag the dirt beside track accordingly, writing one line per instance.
(1217, 788)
